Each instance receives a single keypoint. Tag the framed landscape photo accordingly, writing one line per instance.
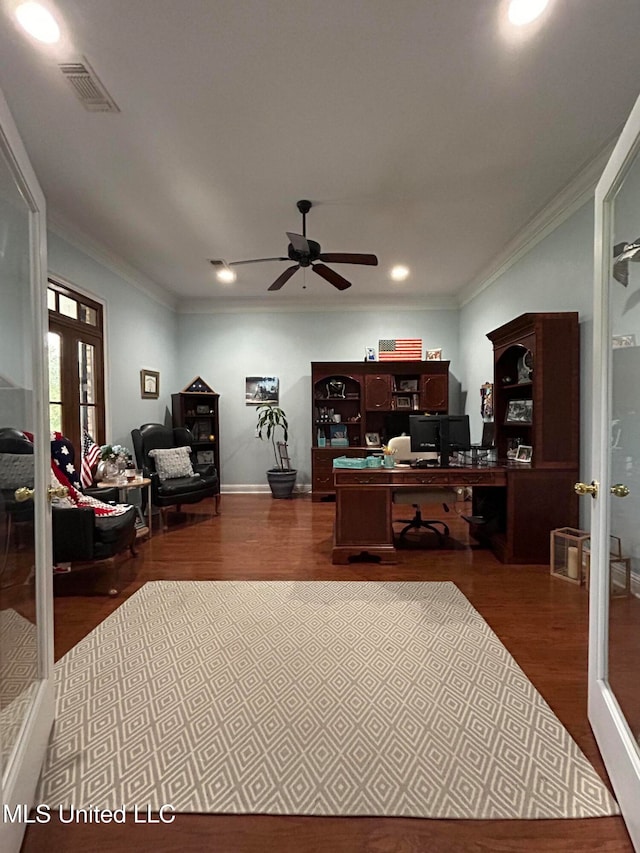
(149, 384)
(519, 412)
(407, 384)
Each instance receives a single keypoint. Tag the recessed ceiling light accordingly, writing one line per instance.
(38, 22)
(399, 273)
(522, 12)
(226, 275)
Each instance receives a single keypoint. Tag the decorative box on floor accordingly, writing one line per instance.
(619, 568)
(568, 554)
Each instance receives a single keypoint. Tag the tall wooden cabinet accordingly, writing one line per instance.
(354, 402)
(537, 404)
(196, 408)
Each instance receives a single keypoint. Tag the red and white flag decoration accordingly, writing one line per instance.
(400, 349)
(90, 458)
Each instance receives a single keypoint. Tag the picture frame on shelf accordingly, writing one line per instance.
(202, 410)
(372, 439)
(519, 412)
(433, 354)
(407, 384)
(205, 457)
(524, 453)
(149, 384)
(403, 402)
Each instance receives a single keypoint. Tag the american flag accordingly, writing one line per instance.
(400, 349)
(90, 458)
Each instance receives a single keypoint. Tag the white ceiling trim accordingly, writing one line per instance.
(575, 194)
(90, 247)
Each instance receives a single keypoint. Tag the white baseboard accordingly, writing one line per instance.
(258, 489)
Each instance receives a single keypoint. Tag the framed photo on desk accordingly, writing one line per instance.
(372, 439)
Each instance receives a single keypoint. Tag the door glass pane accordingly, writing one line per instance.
(51, 299)
(87, 370)
(18, 637)
(624, 512)
(88, 315)
(68, 306)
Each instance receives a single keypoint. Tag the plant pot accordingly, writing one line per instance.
(281, 483)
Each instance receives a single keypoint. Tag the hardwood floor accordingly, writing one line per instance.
(541, 620)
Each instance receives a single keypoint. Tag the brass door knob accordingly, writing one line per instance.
(619, 490)
(584, 489)
(26, 494)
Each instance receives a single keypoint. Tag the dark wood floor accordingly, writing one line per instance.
(541, 620)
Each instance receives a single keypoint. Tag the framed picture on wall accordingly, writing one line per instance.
(149, 384)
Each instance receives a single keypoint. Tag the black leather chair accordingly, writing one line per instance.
(79, 535)
(176, 491)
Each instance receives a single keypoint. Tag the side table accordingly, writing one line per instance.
(123, 488)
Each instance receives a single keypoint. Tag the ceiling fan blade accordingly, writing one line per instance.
(255, 261)
(349, 258)
(299, 243)
(331, 276)
(284, 278)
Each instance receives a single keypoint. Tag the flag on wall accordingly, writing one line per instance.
(90, 458)
(400, 349)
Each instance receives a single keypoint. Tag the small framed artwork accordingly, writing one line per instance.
(372, 439)
(403, 402)
(261, 389)
(524, 453)
(202, 410)
(407, 384)
(205, 457)
(433, 355)
(519, 412)
(369, 354)
(149, 384)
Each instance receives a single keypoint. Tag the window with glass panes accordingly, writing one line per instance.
(76, 365)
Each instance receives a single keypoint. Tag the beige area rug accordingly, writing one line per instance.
(18, 677)
(317, 698)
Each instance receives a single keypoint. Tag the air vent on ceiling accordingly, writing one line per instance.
(88, 87)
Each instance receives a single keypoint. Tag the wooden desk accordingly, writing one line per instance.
(529, 504)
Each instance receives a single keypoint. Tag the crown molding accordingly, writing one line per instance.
(99, 253)
(575, 194)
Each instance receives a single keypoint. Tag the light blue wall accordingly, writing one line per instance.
(556, 275)
(226, 348)
(140, 333)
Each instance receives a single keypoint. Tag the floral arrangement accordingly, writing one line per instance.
(113, 452)
(388, 451)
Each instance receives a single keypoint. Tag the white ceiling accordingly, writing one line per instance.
(424, 131)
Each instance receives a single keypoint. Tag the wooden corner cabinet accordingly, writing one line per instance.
(196, 408)
(356, 403)
(536, 404)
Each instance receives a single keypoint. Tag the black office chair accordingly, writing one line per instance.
(401, 445)
(191, 485)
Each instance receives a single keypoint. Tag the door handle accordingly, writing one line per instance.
(584, 489)
(26, 494)
(619, 490)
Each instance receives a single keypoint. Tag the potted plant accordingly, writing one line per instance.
(282, 477)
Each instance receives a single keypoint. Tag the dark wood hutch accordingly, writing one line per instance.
(353, 399)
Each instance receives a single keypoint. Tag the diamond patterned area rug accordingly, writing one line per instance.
(316, 698)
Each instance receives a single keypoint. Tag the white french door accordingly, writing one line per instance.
(614, 609)
(26, 620)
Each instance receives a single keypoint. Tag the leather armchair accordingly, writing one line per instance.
(79, 535)
(176, 491)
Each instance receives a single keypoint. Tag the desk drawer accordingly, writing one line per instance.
(422, 478)
(365, 477)
(482, 478)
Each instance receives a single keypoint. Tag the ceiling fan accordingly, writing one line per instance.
(307, 253)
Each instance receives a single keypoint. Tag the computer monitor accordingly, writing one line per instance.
(446, 434)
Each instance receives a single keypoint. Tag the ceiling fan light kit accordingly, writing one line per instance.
(306, 253)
